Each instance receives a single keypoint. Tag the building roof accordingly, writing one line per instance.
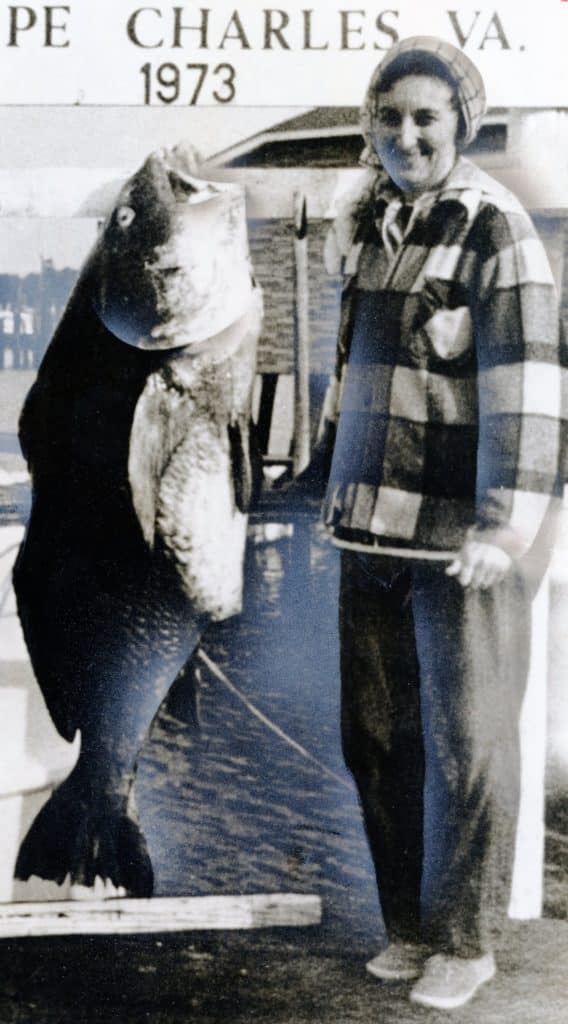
(320, 122)
(319, 118)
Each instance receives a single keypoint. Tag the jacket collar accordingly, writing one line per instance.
(466, 184)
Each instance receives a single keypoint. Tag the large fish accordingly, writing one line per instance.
(136, 432)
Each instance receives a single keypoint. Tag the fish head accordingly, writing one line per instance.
(171, 266)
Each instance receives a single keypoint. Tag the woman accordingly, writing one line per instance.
(444, 476)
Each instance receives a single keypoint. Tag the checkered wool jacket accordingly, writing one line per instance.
(449, 371)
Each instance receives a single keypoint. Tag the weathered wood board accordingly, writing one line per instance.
(132, 916)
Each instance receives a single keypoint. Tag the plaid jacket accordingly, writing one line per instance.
(449, 371)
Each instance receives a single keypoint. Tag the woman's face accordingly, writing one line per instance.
(414, 132)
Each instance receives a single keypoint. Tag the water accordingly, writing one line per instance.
(233, 808)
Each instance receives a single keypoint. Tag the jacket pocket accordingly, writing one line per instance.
(449, 332)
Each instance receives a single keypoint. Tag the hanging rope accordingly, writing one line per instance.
(216, 671)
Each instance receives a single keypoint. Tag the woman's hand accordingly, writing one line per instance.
(479, 564)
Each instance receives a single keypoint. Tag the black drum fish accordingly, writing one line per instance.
(137, 435)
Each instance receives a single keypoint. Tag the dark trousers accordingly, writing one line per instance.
(433, 677)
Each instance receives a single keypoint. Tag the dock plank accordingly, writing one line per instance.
(167, 914)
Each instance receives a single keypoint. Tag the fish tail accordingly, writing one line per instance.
(76, 836)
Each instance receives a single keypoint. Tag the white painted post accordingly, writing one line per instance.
(527, 886)
(33, 757)
(557, 718)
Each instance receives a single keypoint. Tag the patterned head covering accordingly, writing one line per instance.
(468, 81)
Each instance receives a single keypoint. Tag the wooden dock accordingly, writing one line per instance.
(134, 916)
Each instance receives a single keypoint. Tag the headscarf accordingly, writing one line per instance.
(468, 81)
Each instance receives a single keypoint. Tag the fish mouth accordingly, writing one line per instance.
(181, 183)
(168, 270)
(183, 167)
(163, 268)
(186, 188)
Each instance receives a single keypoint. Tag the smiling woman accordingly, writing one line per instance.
(443, 490)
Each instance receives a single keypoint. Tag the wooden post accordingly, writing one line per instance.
(19, 354)
(266, 408)
(301, 453)
(42, 325)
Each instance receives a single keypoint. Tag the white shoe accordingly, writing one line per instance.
(451, 981)
(400, 961)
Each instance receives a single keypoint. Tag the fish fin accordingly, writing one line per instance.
(163, 419)
(85, 839)
(44, 426)
(45, 422)
(35, 613)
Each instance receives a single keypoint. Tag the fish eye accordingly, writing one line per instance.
(124, 216)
